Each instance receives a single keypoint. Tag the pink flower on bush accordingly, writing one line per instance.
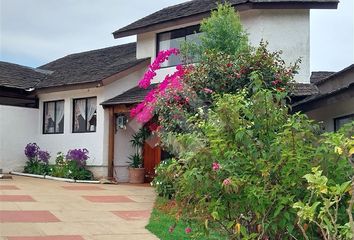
(145, 110)
(216, 166)
(207, 90)
(188, 230)
(171, 229)
(226, 182)
(156, 65)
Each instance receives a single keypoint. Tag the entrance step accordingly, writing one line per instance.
(5, 176)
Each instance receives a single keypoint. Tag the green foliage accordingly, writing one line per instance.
(323, 206)
(65, 168)
(240, 155)
(166, 177)
(36, 167)
(221, 33)
(263, 152)
(227, 64)
(138, 140)
(136, 160)
(163, 224)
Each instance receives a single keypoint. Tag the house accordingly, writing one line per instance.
(78, 99)
(333, 104)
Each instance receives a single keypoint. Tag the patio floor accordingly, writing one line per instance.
(50, 210)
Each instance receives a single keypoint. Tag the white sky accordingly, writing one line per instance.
(34, 32)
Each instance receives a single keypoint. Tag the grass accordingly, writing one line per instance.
(161, 220)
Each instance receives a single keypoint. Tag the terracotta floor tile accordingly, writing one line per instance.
(132, 215)
(47, 238)
(108, 199)
(8, 187)
(27, 216)
(85, 187)
(16, 198)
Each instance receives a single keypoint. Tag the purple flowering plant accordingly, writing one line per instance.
(78, 155)
(31, 151)
(43, 156)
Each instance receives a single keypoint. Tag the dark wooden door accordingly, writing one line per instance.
(152, 157)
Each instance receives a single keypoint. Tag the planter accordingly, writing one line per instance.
(136, 175)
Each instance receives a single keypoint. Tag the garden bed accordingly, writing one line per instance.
(55, 178)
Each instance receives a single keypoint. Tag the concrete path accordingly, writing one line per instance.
(40, 209)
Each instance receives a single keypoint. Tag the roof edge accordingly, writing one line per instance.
(123, 32)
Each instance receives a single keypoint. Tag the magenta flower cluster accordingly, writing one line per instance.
(143, 112)
(162, 56)
(31, 151)
(216, 166)
(78, 155)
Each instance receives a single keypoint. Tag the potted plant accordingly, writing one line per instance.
(136, 167)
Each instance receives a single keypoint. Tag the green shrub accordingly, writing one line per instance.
(165, 179)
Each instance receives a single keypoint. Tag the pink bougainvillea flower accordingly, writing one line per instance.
(144, 111)
(207, 90)
(226, 182)
(188, 230)
(216, 166)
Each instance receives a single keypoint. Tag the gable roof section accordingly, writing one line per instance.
(90, 67)
(19, 77)
(133, 95)
(328, 87)
(319, 75)
(137, 94)
(199, 9)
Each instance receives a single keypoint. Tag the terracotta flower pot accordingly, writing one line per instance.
(136, 175)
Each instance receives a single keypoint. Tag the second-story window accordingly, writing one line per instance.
(174, 39)
(53, 117)
(85, 115)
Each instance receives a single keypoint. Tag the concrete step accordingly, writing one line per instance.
(5, 176)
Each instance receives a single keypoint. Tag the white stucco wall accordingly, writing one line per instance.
(95, 142)
(286, 30)
(18, 127)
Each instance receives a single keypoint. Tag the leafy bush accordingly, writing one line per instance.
(166, 177)
(240, 155)
(242, 171)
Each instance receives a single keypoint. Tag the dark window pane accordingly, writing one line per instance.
(91, 114)
(85, 115)
(174, 39)
(339, 122)
(59, 117)
(53, 117)
(80, 115)
(49, 117)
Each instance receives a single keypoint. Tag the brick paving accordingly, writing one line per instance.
(49, 210)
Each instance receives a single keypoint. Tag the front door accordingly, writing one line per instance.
(152, 157)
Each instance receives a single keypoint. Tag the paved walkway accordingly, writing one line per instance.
(40, 209)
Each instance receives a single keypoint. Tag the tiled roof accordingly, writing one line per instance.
(134, 95)
(92, 66)
(20, 77)
(319, 75)
(303, 89)
(200, 7)
(330, 86)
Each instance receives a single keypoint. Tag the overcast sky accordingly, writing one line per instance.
(34, 32)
